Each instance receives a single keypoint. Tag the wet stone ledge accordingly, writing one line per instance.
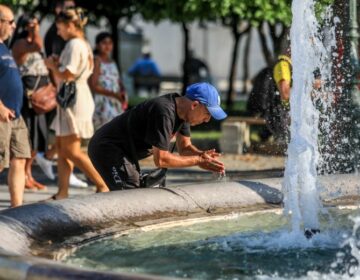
(37, 228)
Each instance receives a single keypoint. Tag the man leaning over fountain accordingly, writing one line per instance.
(147, 129)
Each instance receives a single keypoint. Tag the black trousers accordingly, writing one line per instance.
(115, 168)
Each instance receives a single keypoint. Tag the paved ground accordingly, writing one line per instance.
(237, 166)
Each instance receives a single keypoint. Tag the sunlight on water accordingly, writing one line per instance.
(260, 246)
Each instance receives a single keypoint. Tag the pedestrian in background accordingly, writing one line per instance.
(26, 48)
(73, 123)
(14, 137)
(109, 92)
(54, 45)
(146, 74)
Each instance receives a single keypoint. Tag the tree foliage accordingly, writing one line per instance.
(15, 5)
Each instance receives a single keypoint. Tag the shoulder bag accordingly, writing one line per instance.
(66, 96)
(42, 99)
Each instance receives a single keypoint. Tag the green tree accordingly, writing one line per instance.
(15, 5)
(240, 16)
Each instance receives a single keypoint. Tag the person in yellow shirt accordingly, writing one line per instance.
(283, 79)
(282, 75)
(270, 97)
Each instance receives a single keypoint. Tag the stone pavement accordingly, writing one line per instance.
(238, 167)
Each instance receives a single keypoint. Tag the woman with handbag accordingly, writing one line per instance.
(73, 120)
(39, 94)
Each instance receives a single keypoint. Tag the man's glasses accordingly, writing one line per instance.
(10, 22)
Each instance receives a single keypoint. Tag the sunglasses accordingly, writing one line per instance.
(10, 22)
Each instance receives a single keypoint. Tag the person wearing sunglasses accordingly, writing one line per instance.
(14, 136)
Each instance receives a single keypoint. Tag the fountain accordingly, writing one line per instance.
(309, 52)
(222, 229)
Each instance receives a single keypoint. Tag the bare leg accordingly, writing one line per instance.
(16, 181)
(28, 164)
(30, 182)
(64, 171)
(65, 168)
(28, 174)
(50, 153)
(69, 149)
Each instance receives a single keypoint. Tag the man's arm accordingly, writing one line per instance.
(185, 147)
(284, 88)
(165, 159)
(188, 156)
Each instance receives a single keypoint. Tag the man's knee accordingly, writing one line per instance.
(17, 162)
(117, 179)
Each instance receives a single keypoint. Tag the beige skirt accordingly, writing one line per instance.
(65, 124)
(77, 119)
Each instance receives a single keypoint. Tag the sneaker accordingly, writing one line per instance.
(76, 182)
(45, 165)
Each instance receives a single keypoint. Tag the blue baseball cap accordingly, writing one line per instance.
(208, 95)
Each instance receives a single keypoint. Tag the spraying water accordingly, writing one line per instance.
(310, 52)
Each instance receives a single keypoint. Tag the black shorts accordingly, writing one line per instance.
(115, 168)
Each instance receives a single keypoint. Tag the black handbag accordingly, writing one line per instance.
(153, 178)
(66, 96)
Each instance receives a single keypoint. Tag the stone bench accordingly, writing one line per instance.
(235, 133)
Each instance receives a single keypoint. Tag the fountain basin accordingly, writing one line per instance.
(32, 233)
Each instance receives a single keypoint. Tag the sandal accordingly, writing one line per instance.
(29, 184)
(39, 186)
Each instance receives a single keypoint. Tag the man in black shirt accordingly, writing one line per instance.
(150, 126)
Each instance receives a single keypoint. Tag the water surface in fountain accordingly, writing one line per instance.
(260, 245)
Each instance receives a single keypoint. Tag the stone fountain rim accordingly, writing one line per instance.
(29, 226)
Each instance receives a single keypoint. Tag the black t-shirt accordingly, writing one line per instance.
(152, 123)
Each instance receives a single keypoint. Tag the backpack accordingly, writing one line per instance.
(264, 100)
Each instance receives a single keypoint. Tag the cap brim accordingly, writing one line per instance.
(217, 113)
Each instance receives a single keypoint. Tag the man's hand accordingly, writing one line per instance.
(212, 153)
(210, 163)
(6, 114)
